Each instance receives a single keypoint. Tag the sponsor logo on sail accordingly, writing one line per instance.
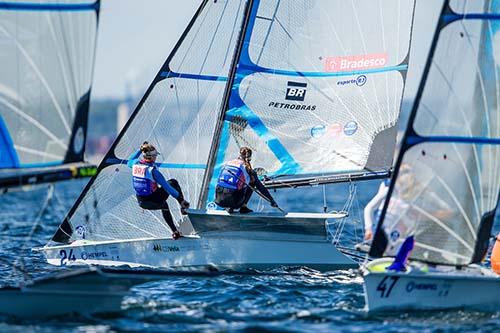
(350, 128)
(334, 129)
(318, 131)
(296, 91)
(355, 62)
(359, 81)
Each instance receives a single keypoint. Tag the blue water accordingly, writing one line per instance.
(284, 300)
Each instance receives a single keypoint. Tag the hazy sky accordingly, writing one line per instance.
(136, 36)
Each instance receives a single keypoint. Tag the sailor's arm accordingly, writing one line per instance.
(158, 177)
(262, 189)
(370, 209)
(133, 158)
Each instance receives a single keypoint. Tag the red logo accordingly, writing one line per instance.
(334, 129)
(355, 63)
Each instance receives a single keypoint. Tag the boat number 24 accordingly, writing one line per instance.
(66, 256)
(385, 286)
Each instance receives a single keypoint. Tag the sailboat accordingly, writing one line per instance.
(81, 291)
(46, 68)
(313, 87)
(445, 188)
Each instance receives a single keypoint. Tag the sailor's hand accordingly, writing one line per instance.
(274, 204)
(184, 207)
(368, 235)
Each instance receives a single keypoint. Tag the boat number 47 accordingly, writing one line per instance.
(66, 256)
(385, 286)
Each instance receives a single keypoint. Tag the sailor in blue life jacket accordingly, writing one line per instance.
(236, 183)
(151, 188)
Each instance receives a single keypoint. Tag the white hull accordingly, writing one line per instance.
(234, 251)
(474, 288)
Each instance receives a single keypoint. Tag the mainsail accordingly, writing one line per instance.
(317, 91)
(446, 184)
(46, 68)
(313, 86)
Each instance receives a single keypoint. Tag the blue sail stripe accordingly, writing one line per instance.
(258, 69)
(448, 18)
(181, 166)
(193, 76)
(162, 165)
(8, 155)
(30, 6)
(414, 140)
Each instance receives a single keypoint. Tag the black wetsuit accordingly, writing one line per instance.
(234, 198)
(158, 200)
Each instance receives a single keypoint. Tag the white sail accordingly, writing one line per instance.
(318, 88)
(177, 115)
(46, 66)
(448, 181)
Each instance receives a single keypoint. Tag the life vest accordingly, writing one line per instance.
(142, 178)
(495, 256)
(233, 175)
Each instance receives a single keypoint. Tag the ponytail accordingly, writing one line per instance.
(246, 155)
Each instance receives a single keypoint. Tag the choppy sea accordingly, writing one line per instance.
(289, 299)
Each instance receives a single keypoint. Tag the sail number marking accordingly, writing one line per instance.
(385, 286)
(66, 256)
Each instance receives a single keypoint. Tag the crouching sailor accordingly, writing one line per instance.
(236, 182)
(151, 188)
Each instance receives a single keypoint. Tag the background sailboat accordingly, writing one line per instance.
(445, 189)
(46, 70)
(314, 87)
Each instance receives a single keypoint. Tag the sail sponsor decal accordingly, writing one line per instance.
(355, 62)
(79, 141)
(360, 81)
(295, 91)
(350, 128)
(318, 131)
(334, 130)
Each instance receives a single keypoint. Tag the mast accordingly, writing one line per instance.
(220, 120)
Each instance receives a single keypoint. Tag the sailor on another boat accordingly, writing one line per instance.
(151, 188)
(237, 181)
(403, 210)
